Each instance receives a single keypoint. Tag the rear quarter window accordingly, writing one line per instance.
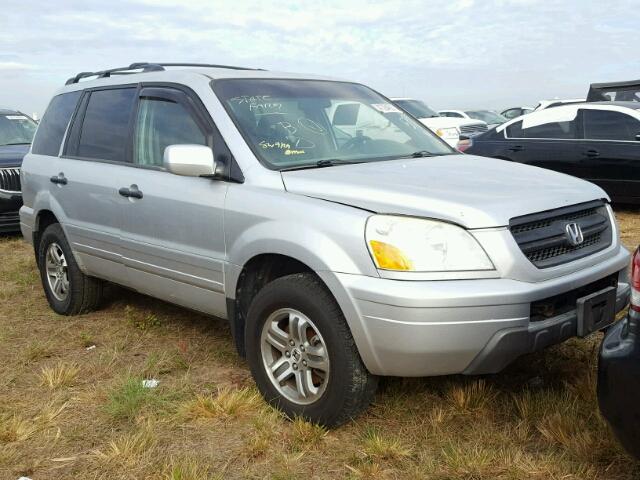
(54, 124)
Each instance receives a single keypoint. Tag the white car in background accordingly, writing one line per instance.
(449, 129)
(492, 119)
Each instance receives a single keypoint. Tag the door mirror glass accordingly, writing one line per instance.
(189, 160)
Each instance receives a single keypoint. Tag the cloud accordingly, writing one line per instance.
(4, 66)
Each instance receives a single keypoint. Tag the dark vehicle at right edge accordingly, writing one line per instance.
(619, 371)
(595, 141)
(16, 134)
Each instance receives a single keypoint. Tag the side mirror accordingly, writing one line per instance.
(189, 160)
(638, 137)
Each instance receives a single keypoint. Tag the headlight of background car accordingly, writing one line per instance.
(448, 132)
(420, 245)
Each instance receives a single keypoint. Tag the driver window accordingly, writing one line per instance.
(161, 123)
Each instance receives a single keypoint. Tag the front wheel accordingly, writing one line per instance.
(302, 354)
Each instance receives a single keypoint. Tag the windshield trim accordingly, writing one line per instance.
(275, 168)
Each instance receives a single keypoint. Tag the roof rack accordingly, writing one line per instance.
(147, 67)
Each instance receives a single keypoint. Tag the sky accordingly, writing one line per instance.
(464, 54)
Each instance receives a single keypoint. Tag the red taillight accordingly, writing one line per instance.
(635, 281)
(464, 143)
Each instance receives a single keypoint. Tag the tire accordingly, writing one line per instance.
(334, 396)
(82, 293)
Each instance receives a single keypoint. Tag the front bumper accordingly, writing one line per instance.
(426, 328)
(10, 204)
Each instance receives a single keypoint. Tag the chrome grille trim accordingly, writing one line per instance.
(473, 129)
(10, 180)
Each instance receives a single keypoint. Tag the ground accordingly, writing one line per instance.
(72, 404)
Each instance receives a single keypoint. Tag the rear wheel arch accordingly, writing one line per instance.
(44, 218)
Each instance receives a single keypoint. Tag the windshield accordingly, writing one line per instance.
(417, 108)
(486, 116)
(16, 129)
(305, 123)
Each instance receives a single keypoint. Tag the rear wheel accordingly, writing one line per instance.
(302, 354)
(68, 290)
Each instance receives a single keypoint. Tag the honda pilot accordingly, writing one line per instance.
(339, 236)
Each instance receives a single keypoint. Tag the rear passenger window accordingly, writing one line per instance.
(105, 128)
(54, 124)
(608, 125)
(161, 123)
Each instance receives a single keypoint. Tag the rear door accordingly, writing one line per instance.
(173, 237)
(88, 176)
(610, 152)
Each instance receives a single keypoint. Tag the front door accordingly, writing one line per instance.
(543, 142)
(173, 238)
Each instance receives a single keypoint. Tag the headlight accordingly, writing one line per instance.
(447, 132)
(419, 245)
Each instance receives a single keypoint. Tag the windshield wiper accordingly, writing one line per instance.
(327, 162)
(420, 154)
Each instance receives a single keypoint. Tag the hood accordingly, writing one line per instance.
(446, 122)
(475, 192)
(12, 155)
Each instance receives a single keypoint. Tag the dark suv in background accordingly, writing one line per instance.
(16, 133)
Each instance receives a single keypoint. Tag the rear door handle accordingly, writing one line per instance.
(592, 153)
(59, 179)
(516, 148)
(130, 192)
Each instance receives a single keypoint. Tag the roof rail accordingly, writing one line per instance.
(147, 67)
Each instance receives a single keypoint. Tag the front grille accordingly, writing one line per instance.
(10, 179)
(543, 239)
(473, 129)
(565, 302)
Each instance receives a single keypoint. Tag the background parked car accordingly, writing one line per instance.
(492, 119)
(514, 112)
(16, 133)
(628, 91)
(449, 129)
(599, 142)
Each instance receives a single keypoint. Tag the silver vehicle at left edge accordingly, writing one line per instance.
(340, 237)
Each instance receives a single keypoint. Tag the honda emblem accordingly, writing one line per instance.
(574, 234)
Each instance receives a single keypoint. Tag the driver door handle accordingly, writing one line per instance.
(131, 192)
(516, 148)
(592, 153)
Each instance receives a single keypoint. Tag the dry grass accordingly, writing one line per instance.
(60, 375)
(69, 412)
(227, 403)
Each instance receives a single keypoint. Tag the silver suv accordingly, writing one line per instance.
(341, 238)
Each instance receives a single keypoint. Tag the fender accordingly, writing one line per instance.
(316, 249)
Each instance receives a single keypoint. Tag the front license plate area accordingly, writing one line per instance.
(596, 311)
